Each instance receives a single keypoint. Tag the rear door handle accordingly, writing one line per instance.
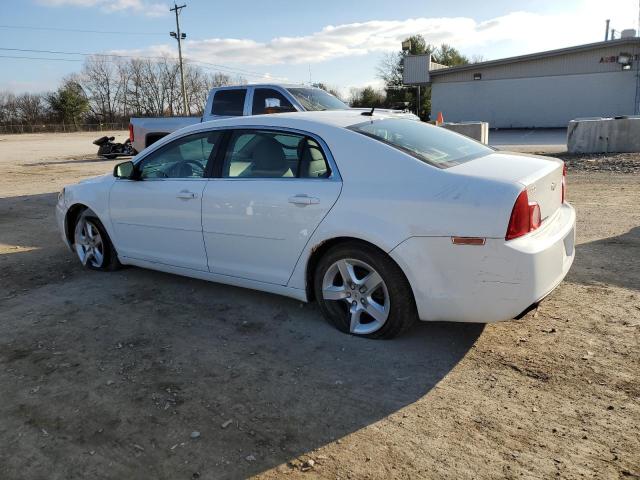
(304, 200)
(186, 195)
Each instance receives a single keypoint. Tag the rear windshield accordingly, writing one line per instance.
(433, 145)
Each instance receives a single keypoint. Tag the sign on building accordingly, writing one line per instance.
(416, 69)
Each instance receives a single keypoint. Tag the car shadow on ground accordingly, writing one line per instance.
(611, 261)
(117, 370)
(31, 249)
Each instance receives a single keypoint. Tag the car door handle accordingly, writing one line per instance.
(186, 195)
(303, 200)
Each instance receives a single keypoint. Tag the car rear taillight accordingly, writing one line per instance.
(525, 217)
(564, 183)
(131, 132)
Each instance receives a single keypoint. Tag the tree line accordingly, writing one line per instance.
(110, 92)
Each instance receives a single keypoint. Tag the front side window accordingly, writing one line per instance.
(268, 100)
(270, 154)
(229, 103)
(433, 145)
(185, 157)
(313, 99)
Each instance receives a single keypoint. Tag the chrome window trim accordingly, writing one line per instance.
(144, 155)
(155, 179)
(335, 171)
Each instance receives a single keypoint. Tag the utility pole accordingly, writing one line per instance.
(606, 34)
(179, 37)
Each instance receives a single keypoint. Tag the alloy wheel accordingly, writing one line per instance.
(89, 244)
(360, 291)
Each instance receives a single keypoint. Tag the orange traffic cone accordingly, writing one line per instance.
(439, 119)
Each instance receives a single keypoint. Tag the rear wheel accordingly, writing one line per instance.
(93, 245)
(363, 292)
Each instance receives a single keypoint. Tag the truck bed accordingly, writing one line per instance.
(145, 131)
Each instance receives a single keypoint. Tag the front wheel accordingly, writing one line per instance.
(92, 244)
(362, 291)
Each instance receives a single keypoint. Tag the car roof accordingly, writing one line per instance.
(266, 85)
(335, 118)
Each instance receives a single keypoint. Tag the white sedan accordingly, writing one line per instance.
(381, 220)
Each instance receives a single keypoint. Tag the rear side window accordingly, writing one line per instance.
(229, 102)
(433, 145)
(268, 100)
(270, 154)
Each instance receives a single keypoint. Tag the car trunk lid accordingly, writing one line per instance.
(541, 176)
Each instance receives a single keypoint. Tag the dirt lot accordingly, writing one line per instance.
(108, 375)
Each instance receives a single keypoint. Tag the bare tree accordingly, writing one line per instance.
(8, 108)
(115, 89)
(30, 108)
(101, 81)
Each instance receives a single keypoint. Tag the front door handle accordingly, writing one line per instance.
(186, 195)
(304, 200)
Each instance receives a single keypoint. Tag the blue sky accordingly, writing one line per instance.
(339, 42)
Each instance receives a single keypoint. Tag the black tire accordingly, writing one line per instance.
(402, 312)
(110, 156)
(110, 260)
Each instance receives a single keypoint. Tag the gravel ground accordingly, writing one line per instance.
(139, 374)
(614, 163)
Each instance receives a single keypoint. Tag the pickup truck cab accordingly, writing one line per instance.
(241, 100)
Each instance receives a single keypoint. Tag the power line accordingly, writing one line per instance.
(42, 58)
(239, 70)
(76, 30)
(204, 65)
(60, 52)
(20, 57)
(236, 71)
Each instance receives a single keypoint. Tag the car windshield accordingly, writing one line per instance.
(433, 145)
(313, 99)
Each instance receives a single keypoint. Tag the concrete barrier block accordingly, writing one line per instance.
(477, 130)
(604, 135)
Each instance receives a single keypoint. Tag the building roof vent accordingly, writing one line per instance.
(628, 33)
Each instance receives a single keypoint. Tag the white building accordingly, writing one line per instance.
(543, 90)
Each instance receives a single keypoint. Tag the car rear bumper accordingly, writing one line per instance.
(489, 283)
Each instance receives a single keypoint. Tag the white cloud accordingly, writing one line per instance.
(151, 9)
(522, 32)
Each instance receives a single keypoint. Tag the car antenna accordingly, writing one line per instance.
(369, 114)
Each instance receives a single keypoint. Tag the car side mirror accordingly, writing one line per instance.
(125, 170)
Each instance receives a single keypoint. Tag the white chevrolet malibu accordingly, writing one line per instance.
(381, 220)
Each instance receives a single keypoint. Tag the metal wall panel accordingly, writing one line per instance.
(540, 102)
(565, 64)
(416, 69)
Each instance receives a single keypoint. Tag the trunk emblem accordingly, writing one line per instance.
(553, 186)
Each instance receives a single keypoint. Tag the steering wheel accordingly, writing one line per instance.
(199, 168)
